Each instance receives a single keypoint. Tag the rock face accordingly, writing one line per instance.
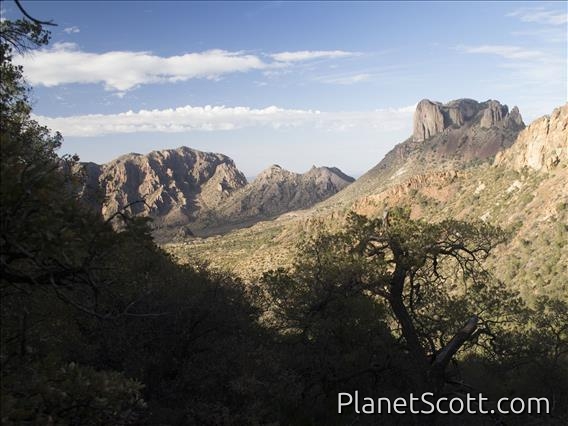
(276, 190)
(541, 146)
(428, 120)
(432, 118)
(175, 184)
(185, 187)
(493, 114)
(446, 136)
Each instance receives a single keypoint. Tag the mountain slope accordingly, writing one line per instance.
(449, 136)
(189, 192)
(175, 184)
(542, 146)
(529, 198)
(275, 191)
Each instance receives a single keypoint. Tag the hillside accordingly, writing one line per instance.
(175, 184)
(450, 136)
(188, 192)
(521, 195)
(276, 191)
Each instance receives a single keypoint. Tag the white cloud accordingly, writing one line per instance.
(222, 118)
(505, 51)
(540, 16)
(346, 79)
(122, 70)
(306, 55)
(547, 35)
(72, 30)
(65, 63)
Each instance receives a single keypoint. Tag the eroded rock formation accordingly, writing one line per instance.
(432, 118)
(541, 146)
(175, 184)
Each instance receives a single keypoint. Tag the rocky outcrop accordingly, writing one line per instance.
(428, 120)
(276, 190)
(171, 186)
(493, 114)
(189, 192)
(455, 135)
(541, 146)
(432, 118)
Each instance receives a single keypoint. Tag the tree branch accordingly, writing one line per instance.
(27, 15)
(446, 354)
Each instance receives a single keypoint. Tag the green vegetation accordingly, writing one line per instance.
(99, 326)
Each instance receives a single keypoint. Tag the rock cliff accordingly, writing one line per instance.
(541, 146)
(432, 118)
(445, 136)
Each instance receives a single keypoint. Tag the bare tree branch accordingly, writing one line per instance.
(27, 15)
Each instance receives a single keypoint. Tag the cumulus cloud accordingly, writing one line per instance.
(65, 63)
(122, 70)
(306, 55)
(221, 118)
(72, 30)
(540, 16)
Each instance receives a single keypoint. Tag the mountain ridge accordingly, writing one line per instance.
(530, 202)
(485, 129)
(198, 192)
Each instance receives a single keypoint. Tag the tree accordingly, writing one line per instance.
(49, 245)
(427, 279)
(432, 278)
(332, 336)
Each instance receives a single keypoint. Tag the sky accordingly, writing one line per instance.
(289, 83)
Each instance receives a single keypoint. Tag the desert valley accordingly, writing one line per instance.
(272, 213)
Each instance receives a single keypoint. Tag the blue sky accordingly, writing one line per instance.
(293, 83)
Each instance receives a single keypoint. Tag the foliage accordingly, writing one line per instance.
(88, 313)
(350, 327)
(47, 393)
(101, 326)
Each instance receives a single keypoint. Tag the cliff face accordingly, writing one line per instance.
(432, 118)
(175, 184)
(541, 146)
(445, 136)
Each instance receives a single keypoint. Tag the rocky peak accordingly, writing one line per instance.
(328, 174)
(493, 114)
(432, 118)
(174, 183)
(276, 191)
(428, 120)
(541, 146)
(274, 173)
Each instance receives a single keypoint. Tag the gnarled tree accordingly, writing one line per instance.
(431, 275)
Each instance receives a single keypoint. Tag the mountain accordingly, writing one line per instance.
(542, 146)
(189, 192)
(175, 184)
(276, 191)
(445, 136)
(523, 190)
